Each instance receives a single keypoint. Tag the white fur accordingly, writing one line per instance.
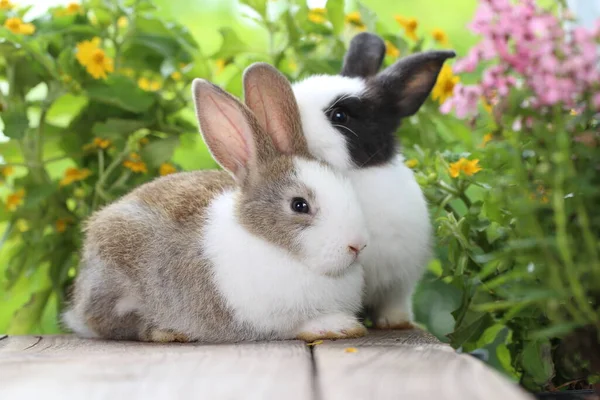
(392, 202)
(339, 222)
(127, 305)
(77, 324)
(270, 289)
(314, 95)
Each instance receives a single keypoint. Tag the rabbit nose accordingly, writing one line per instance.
(356, 248)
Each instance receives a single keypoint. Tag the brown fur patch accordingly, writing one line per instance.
(264, 207)
(352, 333)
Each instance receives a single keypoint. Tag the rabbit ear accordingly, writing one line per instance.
(268, 93)
(229, 129)
(364, 56)
(409, 80)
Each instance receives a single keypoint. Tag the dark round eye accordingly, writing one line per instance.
(338, 116)
(300, 205)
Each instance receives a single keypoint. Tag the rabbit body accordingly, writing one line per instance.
(219, 256)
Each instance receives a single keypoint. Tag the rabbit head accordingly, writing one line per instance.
(350, 119)
(285, 196)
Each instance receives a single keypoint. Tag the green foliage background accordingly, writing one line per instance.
(499, 281)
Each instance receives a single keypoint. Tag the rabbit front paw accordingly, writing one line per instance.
(164, 336)
(334, 326)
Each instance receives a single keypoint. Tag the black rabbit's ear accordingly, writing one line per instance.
(364, 57)
(408, 81)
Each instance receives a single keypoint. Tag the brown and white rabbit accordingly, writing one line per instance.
(266, 250)
(350, 121)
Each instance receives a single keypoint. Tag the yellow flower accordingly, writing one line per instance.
(85, 50)
(413, 162)
(95, 60)
(100, 65)
(15, 25)
(440, 36)
(61, 224)
(221, 63)
(135, 163)
(101, 143)
(486, 138)
(166, 169)
(444, 87)
(122, 22)
(148, 84)
(472, 167)
(351, 350)
(22, 225)
(7, 171)
(573, 112)
(74, 175)
(6, 5)
(468, 167)
(14, 200)
(410, 26)
(72, 8)
(391, 50)
(176, 76)
(355, 19)
(315, 343)
(317, 15)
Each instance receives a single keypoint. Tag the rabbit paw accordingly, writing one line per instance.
(394, 319)
(334, 326)
(165, 336)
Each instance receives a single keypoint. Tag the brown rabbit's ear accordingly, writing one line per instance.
(229, 129)
(269, 95)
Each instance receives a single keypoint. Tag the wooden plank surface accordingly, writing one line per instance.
(63, 367)
(405, 365)
(385, 365)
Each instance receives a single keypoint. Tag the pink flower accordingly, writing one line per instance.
(527, 43)
(464, 101)
(596, 101)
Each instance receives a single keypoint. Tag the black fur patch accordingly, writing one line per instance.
(370, 128)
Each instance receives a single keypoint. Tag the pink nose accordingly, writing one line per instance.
(356, 248)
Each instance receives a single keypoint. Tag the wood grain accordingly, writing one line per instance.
(414, 367)
(64, 367)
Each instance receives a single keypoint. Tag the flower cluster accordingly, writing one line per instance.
(531, 48)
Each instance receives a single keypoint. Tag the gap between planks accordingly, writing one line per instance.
(386, 365)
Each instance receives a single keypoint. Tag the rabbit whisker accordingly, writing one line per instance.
(345, 127)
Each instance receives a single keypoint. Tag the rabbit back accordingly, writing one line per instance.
(143, 267)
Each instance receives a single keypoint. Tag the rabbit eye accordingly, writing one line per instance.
(338, 116)
(300, 205)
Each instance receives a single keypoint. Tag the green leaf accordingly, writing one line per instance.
(159, 151)
(121, 92)
(232, 45)
(293, 31)
(117, 127)
(368, 17)
(15, 119)
(537, 361)
(29, 314)
(65, 109)
(260, 6)
(471, 332)
(335, 13)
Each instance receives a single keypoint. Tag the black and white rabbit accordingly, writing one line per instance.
(350, 122)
